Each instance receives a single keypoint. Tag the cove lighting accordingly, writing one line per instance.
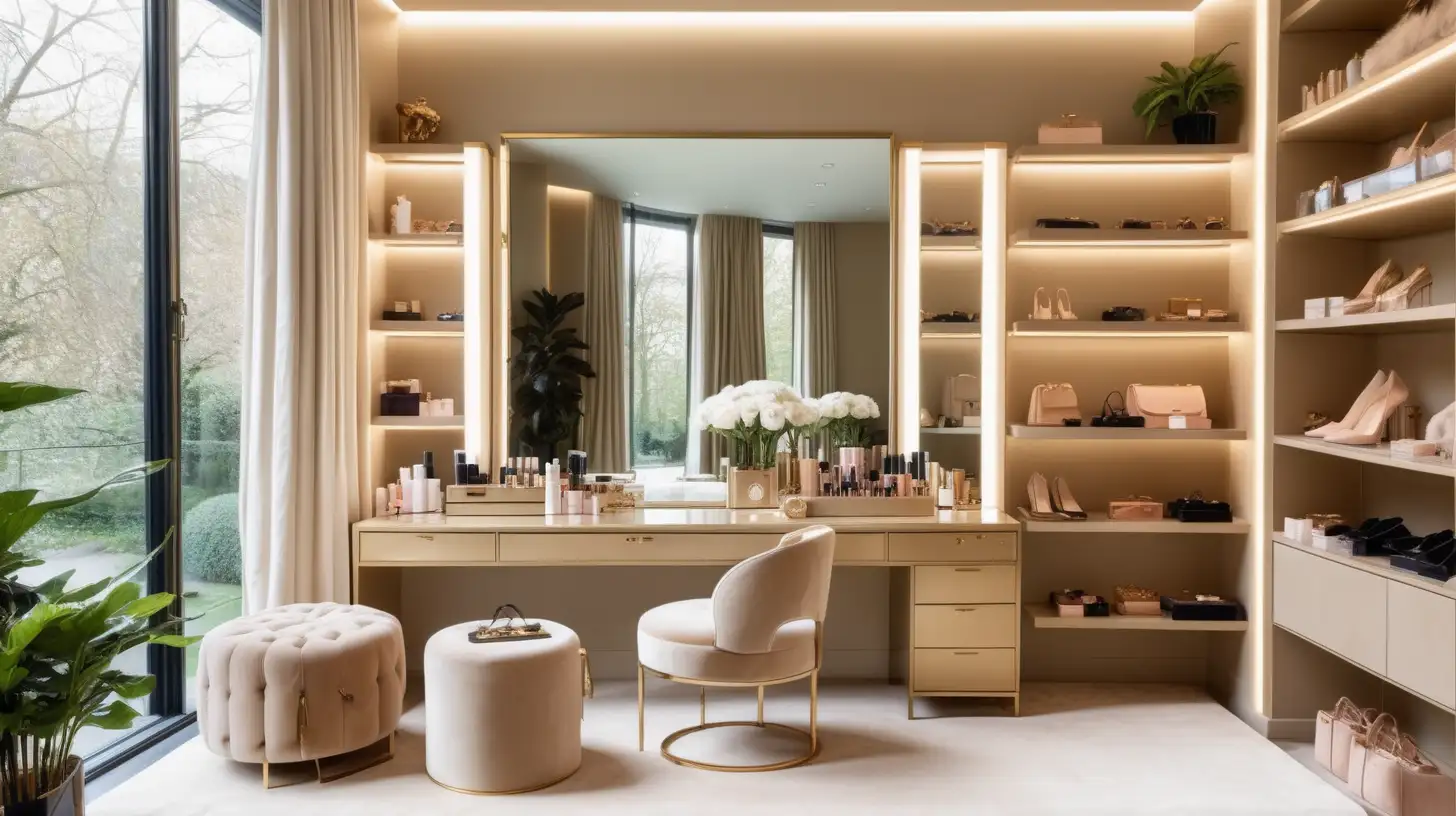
(1406, 75)
(993, 325)
(1260, 451)
(798, 19)
(1401, 199)
(907, 396)
(1121, 334)
(1041, 243)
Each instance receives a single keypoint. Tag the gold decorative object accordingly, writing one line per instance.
(795, 507)
(421, 225)
(418, 122)
(751, 489)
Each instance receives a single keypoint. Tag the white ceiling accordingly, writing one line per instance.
(771, 179)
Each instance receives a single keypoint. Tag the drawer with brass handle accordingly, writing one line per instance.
(990, 584)
(964, 670)
(426, 548)
(633, 548)
(955, 626)
(966, 546)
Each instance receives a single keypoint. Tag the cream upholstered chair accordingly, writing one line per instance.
(763, 626)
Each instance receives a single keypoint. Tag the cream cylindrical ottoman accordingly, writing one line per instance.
(502, 717)
(300, 682)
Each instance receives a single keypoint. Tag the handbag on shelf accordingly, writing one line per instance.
(960, 400)
(1135, 223)
(1067, 223)
(1191, 606)
(1074, 603)
(1195, 508)
(1132, 600)
(1335, 732)
(1135, 508)
(1180, 407)
(1053, 404)
(1124, 314)
(501, 632)
(1071, 130)
(1387, 770)
(1116, 417)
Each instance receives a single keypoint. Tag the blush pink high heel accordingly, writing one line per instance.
(1356, 411)
(1368, 430)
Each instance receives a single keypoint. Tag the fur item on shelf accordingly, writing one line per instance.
(1425, 23)
(1442, 427)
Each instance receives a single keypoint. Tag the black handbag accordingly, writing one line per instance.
(1188, 606)
(1117, 417)
(1195, 508)
(1124, 314)
(1135, 223)
(1067, 223)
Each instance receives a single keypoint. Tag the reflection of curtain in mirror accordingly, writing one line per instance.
(604, 400)
(730, 303)
(816, 330)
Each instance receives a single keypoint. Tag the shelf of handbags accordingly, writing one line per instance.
(1138, 608)
(1146, 412)
(1364, 749)
(954, 323)
(1051, 508)
(949, 236)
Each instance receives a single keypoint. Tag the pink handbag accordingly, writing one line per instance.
(1164, 406)
(1051, 403)
(1388, 771)
(1335, 732)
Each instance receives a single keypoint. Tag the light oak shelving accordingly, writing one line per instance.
(974, 430)
(1342, 15)
(419, 328)
(421, 153)
(1441, 317)
(1127, 154)
(950, 243)
(419, 239)
(1369, 454)
(950, 330)
(419, 422)
(1105, 237)
(1428, 206)
(1044, 617)
(1098, 522)
(1088, 432)
(1141, 328)
(1385, 106)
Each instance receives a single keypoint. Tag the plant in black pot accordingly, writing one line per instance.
(546, 373)
(1186, 97)
(58, 645)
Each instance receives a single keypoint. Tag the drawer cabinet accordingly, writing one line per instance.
(1338, 607)
(961, 626)
(991, 584)
(952, 546)
(629, 548)
(426, 548)
(965, 670)
(1421, 642)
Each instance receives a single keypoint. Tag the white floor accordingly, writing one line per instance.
(1123, 749)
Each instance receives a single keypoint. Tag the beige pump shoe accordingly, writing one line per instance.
(1385, 277)
(1370, 427)
(1356, 411)
(1414, 290)
(1064, 306)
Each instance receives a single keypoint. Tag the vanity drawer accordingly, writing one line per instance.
(962, 625)
(952, 546)
(965, 670)
(1421, 643)
(608, 548)
(994, 584)
(415, 548)
(1341, 608)
(859, 548)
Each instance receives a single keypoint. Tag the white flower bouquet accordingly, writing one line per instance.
(756, 415)
(846, 416)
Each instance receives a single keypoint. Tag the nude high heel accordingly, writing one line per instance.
(1040, 497)
(1367, 431)
(1386, 276)
(1063, 502)
(1038, 311)
(1356, 411)
(1415, 289)
(1064, 312)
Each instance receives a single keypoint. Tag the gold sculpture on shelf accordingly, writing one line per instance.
(418, 122)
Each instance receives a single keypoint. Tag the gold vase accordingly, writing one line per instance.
(752, 489)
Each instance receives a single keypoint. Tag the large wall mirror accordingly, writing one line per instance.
(703, 262)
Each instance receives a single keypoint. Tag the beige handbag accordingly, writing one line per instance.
(1335, 732)
(1388, 771)
(1169, 406)
(1051, 403)
(960, 399)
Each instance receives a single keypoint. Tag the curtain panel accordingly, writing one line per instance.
(730, 307)
(604, 402)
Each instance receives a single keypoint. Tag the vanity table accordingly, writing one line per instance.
(955, 595)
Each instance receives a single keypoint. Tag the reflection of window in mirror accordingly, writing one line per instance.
(780, 307)
(659, 261)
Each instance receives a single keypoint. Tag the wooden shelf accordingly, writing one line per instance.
(950, 329)
(433, 239)
(974, 430)
(427, 153)
(1441, 317)
(1426, 207)
(1141, 328)
(1044, 617)
(419, 422)
(1054, 237)
(1100, 523)
(1368, 454)
(418, 328)
(1127, 154)
(1384, 106)
(950, 243)
(1373, 564)
(1123, 434)
(1343, 15)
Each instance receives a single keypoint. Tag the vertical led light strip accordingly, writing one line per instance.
(993, 326)
(500, 419)
(907, 296)
(478, 315)
(1265, 12)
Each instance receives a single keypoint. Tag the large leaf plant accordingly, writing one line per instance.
(58, 643)
(1206, 82)
(546, 372)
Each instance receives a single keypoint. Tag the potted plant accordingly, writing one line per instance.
(1187, 96)
(57, 646)
(754, 417)
(547, 373)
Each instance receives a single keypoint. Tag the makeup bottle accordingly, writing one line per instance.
(902, 476)
(945, 495)
(461, 474)
(381, 502)
(573, 502)
(435, 497)
(553, 488)
(429, 460)
(808, 477)
(874, 488)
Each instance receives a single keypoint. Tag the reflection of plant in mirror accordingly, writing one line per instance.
(546, 398)
(846, 417)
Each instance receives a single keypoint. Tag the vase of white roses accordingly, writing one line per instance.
(754, 417)
(845, 418)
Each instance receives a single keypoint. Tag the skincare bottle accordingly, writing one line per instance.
(573, 502)
(808, 477)
(381, 502)
(436, 497)
(420, 502)
(553, 489)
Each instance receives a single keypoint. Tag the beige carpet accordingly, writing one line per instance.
(1123, 749)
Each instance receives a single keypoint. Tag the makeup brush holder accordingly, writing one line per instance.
(750, 489)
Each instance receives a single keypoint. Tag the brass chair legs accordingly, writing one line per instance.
(703, 725)
(641, 682)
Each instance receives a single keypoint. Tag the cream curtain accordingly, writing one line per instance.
(730, 308)
(301, 483)
(604, 427)
(814, 263)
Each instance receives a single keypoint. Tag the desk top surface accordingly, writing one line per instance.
(700, 520)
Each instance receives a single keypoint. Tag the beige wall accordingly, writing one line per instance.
(529, 232)
(862, 306)
(566, 244)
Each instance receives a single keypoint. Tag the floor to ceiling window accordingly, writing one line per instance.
(659, 249)
(84, 282)
(778, 292)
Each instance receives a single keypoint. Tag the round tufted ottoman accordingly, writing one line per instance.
(502, 717)
(300, 682)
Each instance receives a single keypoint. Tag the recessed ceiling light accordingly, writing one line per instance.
(812, 204)
(827, 165)
(636, 195)
(819, 184)
(869, 209)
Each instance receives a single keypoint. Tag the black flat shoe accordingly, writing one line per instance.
(1371, 537)
(1433, 557)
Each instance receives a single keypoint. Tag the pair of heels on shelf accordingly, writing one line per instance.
(1060, 309)
(1052, 502)
(1432, 556)
(1374, 536)
(1365, 421)
(1390, 290)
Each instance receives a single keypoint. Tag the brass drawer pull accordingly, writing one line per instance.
(425, 537)
(967, 569)
(967, 608)
(638, 539)
(967, 653)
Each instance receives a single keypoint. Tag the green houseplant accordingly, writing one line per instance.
(1186, 97)
(546, 372)
(57, 645)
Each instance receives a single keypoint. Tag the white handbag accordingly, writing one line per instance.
(960, 400)
(1169, 406)
(1051, 403)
